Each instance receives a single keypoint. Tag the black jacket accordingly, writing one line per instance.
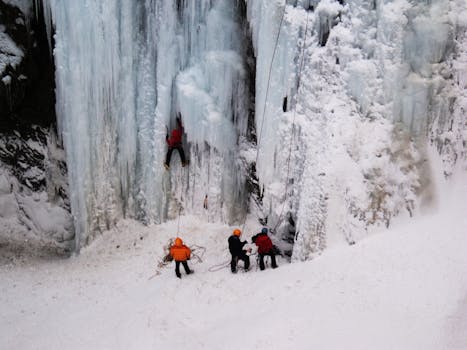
(235, 245)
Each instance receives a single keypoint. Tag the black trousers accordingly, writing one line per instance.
(235, 258)
(169, 154)
(273, 260)
(185, 266)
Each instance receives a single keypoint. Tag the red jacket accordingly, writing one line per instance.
(175, 139)
(264, 244)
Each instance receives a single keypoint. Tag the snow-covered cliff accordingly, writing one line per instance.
(357, 95)
(316, 117)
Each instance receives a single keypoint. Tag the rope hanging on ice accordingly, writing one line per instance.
(180, 200)
(293, 122)
(223, 265)
(294, 107)
(267, 86)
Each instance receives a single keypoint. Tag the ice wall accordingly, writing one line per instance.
(347, 151)
(348, 96)
(124, 69)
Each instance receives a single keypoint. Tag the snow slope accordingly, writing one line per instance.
(404, 289)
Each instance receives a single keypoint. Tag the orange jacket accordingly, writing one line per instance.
(179, 251)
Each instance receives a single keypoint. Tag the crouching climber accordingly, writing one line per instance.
(180, 253)
(237, 251)
(265, 247)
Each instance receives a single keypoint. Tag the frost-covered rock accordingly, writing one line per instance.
(13, 46)
(26, 68)
(368, 85)
(34, 209)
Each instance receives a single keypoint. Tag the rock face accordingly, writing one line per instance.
(26, 71)
(13, 43)
(34, 208)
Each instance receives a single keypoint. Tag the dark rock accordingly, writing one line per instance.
(29, 97)
(25, 151)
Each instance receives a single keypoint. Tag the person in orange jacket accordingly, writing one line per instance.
(180, 253)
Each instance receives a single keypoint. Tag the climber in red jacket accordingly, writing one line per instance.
(175, 142)
(265, 247)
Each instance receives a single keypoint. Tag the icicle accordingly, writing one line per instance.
(122, 75)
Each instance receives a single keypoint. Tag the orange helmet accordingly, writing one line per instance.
(178, 241)
(237, 232)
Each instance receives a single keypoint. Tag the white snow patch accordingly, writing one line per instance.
(404, 289)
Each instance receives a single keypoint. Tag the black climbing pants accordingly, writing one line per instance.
(185, 266)
(273, 260)
(234, 261)
(169, 154)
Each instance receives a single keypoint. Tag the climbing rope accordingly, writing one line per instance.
(178, 223)
(219, 267)
(223, 265)
(268, 84)
(197, 252)
(180, 181)
(302, 60)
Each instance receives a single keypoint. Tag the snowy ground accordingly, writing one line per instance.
(403, 289)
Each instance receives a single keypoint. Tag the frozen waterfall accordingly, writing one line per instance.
(124, 69)
(328, 107)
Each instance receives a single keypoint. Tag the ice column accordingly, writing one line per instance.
(124, 69)
(212, 94)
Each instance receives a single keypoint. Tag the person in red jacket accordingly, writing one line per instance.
(265, 247)
(180, 253)
(175, 142)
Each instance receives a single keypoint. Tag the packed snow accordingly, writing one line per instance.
(402, 289)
